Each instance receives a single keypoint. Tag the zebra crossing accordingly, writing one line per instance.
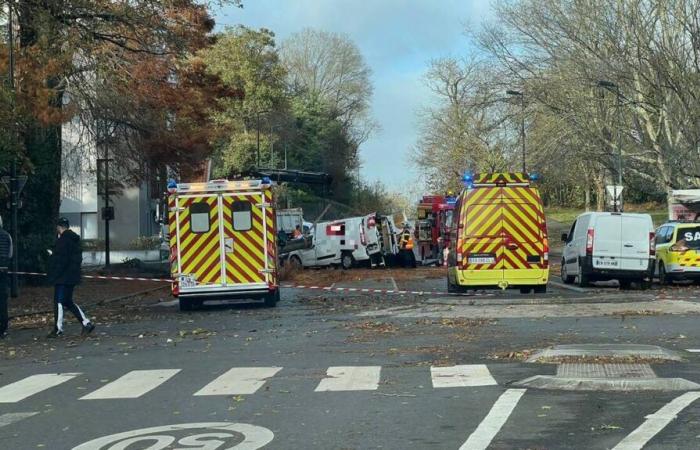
(238, 381)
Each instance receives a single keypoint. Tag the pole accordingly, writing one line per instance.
(285, 155)
(257, 129)
(522, 129)
(14, 206)
(14, 182)
(107, 215)
(619, 146)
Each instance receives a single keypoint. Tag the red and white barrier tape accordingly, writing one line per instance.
(382, 291)
(102, 277)
(289, 286)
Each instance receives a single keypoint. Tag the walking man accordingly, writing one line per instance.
(64, 273)
(5, 257)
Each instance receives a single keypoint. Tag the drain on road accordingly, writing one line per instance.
(606, 375)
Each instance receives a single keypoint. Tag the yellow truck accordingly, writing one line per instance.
(222, 242)
(500, 235)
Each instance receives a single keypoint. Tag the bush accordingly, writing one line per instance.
(93, 245)
(145, 243)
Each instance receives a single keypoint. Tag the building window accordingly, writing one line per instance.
(242, 216)
(199, 217)
(88, 225)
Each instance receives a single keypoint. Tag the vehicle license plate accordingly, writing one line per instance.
(187, 281)
(481, 260)
(606, 263)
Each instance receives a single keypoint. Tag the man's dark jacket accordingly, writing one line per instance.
(64, 266)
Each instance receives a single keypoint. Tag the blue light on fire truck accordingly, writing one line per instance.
(172, 185)
(534, 176)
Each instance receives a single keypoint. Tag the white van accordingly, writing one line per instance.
(605, 246)
(345, 242)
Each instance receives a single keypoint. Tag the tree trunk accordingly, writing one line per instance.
(599, 181)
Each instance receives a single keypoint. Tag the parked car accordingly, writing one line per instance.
(605, 246)
(678, 252)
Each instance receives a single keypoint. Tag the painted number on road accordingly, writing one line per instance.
(187, 436)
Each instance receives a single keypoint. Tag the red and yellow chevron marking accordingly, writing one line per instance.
(247, 261)
(271, 239)
(200, 253)
(496, 217)
(493, 178)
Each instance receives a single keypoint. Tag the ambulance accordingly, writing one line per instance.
(500, 237)
(222, 242)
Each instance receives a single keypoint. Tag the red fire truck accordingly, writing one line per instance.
(432, 228)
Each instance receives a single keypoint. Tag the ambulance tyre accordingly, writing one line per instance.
(185, 305)
(525, 290)
(541, 289)
(663, 276)
(272, 299)
(347, 260)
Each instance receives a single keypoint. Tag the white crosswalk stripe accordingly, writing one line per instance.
(239, 381)
(19, 390)
(132, 385)
(350, 378)
(468, 375)
(10, 418)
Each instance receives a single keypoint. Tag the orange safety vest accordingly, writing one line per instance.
(406, 242)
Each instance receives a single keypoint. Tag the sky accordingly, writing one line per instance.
(398, 39)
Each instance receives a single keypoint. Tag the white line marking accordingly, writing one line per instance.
(31, 385)
(239, 381)
(393, 281)
(693, 350)
(132, 385)
(10, 418)
(462, 376)
(568, 286)
(356, 378)
(494, 420)
(656, 422)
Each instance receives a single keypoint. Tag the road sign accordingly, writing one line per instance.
(21, 181)
(615, 192)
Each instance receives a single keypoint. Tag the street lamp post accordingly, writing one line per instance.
(612, 87)
(522, 122)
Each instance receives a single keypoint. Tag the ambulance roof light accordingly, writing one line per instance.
(468, 180)
(534, 176)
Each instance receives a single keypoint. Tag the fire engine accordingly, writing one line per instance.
(222, 241)
(432, 228)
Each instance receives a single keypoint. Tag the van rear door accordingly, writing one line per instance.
(482, 247)
(524, 234)
(635, 242)
(607, 241)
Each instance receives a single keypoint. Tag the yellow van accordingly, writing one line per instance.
(500, 238)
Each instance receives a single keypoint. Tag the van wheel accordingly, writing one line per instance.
(565, 277)
(645, 285)
(272, 299)
(453, 288)
(295, 263)
(583, 279)
(663, 276)
(347, 261)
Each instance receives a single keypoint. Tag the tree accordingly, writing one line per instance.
(329, 67)
(247, 63)
(84, 60)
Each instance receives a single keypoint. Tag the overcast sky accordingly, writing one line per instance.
(398, 38)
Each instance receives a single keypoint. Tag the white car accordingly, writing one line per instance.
(605, 246)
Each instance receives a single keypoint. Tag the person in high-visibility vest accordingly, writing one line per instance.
(408, 259)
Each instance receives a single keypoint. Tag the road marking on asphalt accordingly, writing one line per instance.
(481, 438)
(239, 381)
(568, 286)
(350, 378)
(31, 385)
(10, 418)
(132, 385)
(693, 350)
(462, 376)
(656, 422)
(393, 283)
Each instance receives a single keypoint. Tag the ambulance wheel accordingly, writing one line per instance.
(272, 299)
(347, 261)
(565, 277)
(645, 285)
(185, 305)
(541, 289)
(525, 290)
(451, 288)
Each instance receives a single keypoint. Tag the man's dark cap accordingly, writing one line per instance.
(63, 222)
